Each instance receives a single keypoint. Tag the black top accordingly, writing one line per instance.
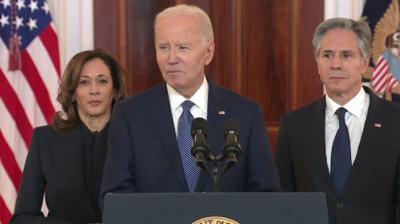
(94, 150)
(67, 169)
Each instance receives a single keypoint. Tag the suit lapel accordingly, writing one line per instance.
(164, 127)
(369, 141)
(317, 146)
(67, 154)
(68, 157)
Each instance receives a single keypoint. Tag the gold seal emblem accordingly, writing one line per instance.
(215, 220)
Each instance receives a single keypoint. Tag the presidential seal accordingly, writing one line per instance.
(215, 220)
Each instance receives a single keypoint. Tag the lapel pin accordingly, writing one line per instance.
(221, 112)
(377, 125)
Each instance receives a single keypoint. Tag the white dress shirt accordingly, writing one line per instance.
(200, 100)
(357, 109)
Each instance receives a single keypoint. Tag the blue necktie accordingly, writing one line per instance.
(185, 142)
(341, 153)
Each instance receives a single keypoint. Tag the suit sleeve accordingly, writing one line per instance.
(283, 158)
(119, 172)
(262, 175)
(30, 196)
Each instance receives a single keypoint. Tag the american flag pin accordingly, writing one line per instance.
(221, 112)
(377, 125)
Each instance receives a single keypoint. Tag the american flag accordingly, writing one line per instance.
(29, 77)
(382, 77)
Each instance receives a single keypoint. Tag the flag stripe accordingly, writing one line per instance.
(27, 93)
(380, 79)
(38, 87)
(49, 39)
(5, 215)
(12, 136)
(47, 72)
(9, 162)
(16, 110)
(383, 87)
(381, 69)
(24, 92)
(8, 194)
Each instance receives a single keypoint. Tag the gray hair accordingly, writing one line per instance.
(360, 28)
(189, 10)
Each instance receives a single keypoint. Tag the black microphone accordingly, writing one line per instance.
(200, 149)
(232, 148)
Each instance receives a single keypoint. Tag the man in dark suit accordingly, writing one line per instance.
(149, 149)
(345, 144)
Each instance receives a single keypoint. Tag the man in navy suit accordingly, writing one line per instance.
(145, 152)
(346, 144)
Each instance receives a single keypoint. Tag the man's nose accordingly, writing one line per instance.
(172, 56)
(336, 62)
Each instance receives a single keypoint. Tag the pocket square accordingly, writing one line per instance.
(377, 125)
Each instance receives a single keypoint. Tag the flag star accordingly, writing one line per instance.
(33, 5)
(6, 3)
(45, 7)
(32, 24)
(19, 21)
(20, 4)
(20, 40)
(4, 20)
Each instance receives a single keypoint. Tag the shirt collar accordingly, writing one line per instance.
(199, 98)
(354, 106)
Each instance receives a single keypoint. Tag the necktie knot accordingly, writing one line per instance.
(186, 106)
(340, 113)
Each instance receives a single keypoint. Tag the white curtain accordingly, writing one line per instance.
(74, 24)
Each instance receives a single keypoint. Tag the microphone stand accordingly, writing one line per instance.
(215, 175)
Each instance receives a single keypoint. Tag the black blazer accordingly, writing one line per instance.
(54, 166)
(372, 190)
(144, 155)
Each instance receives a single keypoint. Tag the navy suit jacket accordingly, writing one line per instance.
(144, 154)
(371, 192)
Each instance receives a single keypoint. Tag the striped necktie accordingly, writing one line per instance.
(185, 142)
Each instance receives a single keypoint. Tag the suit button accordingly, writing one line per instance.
(339, 205)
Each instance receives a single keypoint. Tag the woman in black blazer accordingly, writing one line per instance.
(65, 160)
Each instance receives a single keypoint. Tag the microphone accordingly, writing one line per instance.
(232, 148)
(200, 149)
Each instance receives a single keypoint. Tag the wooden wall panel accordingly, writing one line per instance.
(266, 55)
(305, 85)
(223, 69)
(263, 48)
(142, 64)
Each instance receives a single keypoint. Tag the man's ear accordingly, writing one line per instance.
(209, 52)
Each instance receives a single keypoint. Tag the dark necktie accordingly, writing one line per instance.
(185, 142)
(341, 153)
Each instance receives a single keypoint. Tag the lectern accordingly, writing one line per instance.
(215, 208)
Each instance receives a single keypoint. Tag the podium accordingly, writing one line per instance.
(215, 208)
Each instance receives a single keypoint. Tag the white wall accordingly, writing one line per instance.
(73, 21)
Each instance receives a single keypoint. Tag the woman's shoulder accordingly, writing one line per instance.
(50, 131)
